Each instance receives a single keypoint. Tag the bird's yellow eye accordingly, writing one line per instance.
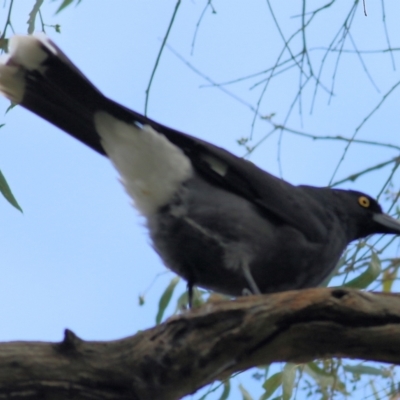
(364, 201)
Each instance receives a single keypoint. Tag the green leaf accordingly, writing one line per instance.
(312, 366)
(323, 378)
(198, 299)
(3, 45)
(182, 302)
(245, 393)
(368, 276)
(389, 276)
(9, 108)
(6, 192)
(166, 298)
(225, 394)
(271, 384)
(65, 4)
(227, 390)
(141, 300)
(361, 369)
(288, 377)
(374, 391)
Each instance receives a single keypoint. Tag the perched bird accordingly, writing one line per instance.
(215, 219)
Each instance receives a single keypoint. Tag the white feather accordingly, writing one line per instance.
(151, 167)
(24, 53)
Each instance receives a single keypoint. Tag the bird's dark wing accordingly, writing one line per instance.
(276, 198)
(66, 98)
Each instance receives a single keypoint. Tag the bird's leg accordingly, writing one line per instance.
(249, 278)
(190, 293)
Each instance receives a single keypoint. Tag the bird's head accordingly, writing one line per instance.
(363, 215)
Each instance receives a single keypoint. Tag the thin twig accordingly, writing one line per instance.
(164, 41)
(372, 112)
(355, 176)
(8, 21)
(209, 4)
(364, 66)
(387, 33)
(208, 79)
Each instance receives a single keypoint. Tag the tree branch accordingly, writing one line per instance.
(189, 351)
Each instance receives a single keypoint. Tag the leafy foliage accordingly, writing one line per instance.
(7, 193)
(65, 3)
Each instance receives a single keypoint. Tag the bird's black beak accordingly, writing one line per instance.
(387, 223)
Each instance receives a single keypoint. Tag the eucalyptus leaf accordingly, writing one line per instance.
(6, 192)
(227, 390)
(65, 4)
(368, 276)
(288, 377)
(361, 369)
(166, 298)
(271, 385)
(245, 394)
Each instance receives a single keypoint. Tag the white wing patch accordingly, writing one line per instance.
(151, 167)
(24, 53)
(215, 164)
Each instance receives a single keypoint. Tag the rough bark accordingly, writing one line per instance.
(209, 343)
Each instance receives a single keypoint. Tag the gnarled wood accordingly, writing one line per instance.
(189, 351)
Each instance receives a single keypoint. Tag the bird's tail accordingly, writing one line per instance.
(39, 76)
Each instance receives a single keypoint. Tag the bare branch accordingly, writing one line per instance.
(209, 343)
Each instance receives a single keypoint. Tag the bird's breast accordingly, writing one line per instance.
(207, 235)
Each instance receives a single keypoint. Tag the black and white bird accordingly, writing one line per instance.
(215, 219)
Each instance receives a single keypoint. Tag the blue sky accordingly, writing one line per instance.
(79, 256)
